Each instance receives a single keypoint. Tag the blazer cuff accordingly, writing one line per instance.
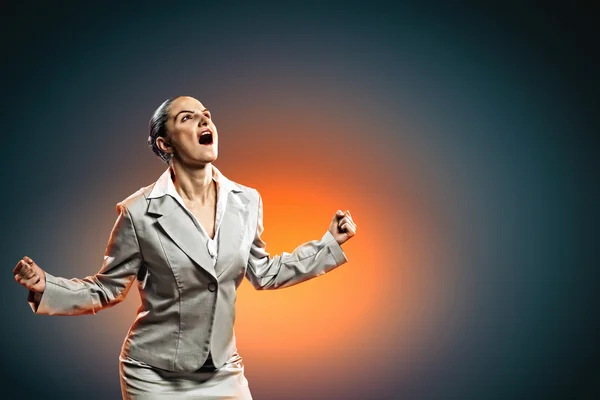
(335, 249)
(39, 301)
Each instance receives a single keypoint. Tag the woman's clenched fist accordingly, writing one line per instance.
(30, 275)
(342, 226)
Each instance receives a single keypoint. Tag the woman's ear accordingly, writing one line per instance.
(164, 144)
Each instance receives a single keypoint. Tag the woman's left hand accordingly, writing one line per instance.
(342, 226)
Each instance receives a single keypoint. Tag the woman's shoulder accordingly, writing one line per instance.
(138, 199)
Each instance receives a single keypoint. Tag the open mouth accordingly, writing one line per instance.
(206, 138)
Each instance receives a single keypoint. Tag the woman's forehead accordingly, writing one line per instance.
(185, 103)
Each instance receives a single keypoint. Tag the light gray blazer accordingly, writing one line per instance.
(187, 305)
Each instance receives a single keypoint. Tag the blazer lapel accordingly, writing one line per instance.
(178, 224)
(231, 232)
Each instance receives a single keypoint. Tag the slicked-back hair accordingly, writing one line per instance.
(158, 128)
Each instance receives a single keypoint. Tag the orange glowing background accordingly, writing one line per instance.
(380, 307)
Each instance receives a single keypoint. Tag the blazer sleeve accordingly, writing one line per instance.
(122, 260)
(307, 261)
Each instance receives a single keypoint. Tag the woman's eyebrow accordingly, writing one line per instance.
(188, 111)
(182, 111)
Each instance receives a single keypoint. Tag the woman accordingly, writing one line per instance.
(188, 240)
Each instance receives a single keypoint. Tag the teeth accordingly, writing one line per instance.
(205, 133)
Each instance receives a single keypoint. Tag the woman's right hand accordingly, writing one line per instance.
(30, 275)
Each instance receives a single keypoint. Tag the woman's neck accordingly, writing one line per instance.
(195, 184)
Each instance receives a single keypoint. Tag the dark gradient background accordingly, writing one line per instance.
(463, 140)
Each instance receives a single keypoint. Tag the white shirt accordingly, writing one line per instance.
(164, 186)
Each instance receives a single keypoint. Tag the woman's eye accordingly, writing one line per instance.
(185, 118)
(207, 115)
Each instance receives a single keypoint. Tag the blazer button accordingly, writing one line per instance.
(212, 287)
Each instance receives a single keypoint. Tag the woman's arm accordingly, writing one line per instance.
(307, 261)
(122, 260)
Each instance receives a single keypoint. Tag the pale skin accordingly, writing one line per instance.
(187, 120)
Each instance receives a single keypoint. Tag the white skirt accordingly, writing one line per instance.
(142, 381)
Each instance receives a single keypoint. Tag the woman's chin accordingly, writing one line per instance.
(214, 155)
(207, 158)
(209, 154)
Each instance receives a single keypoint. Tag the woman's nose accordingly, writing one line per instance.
(203, 120)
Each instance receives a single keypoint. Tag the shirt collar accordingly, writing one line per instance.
(164, 185)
